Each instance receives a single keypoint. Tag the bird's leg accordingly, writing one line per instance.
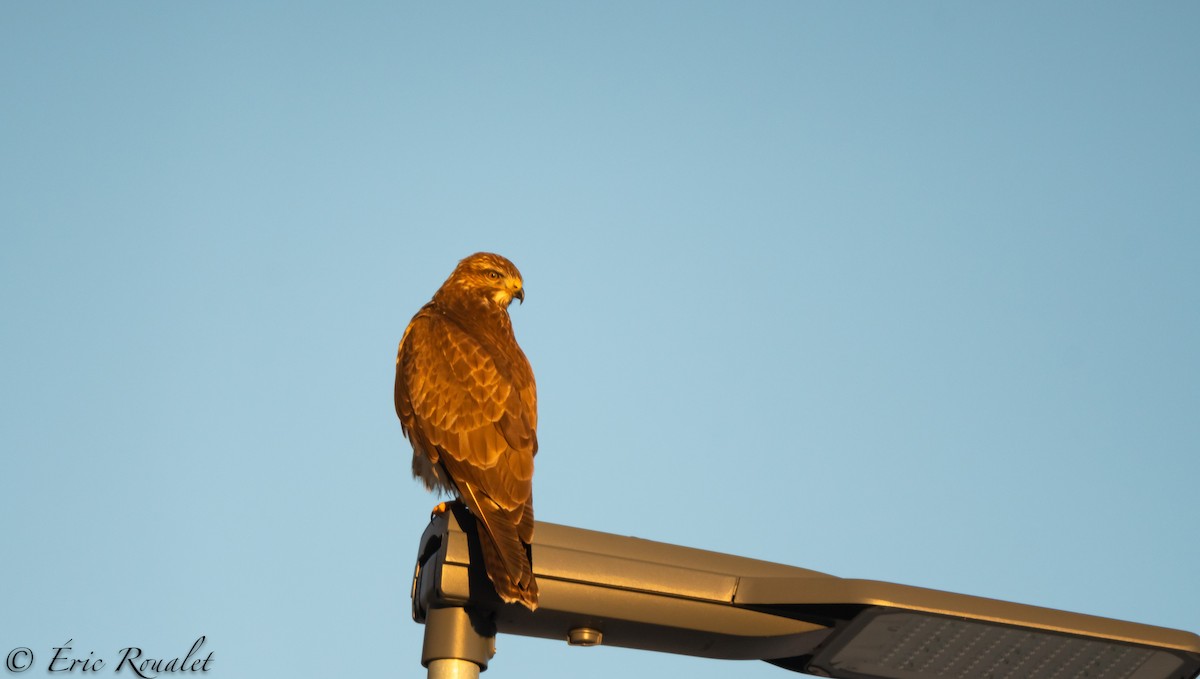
(439, 510)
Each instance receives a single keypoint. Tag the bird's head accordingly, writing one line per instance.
(490, 276)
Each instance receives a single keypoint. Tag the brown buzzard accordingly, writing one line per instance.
(468, 404)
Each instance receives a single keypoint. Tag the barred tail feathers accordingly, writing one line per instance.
(504, 536)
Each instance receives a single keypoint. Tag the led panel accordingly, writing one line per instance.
(892, 644)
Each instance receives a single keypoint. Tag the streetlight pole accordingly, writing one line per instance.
(457, 646)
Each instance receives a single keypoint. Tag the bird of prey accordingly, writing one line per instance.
(468, 404)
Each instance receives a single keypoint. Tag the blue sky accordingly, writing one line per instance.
(905, 292)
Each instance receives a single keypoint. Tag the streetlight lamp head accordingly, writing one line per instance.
(614, 590)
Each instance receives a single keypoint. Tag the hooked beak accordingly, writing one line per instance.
(520, 295)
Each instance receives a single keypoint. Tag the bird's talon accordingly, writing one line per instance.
(439, 510)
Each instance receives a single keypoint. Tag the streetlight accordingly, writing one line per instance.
(621, 591)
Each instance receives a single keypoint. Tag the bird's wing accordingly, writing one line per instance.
(478, 422)
(449, 387)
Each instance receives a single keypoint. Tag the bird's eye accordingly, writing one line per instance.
(494, 275)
